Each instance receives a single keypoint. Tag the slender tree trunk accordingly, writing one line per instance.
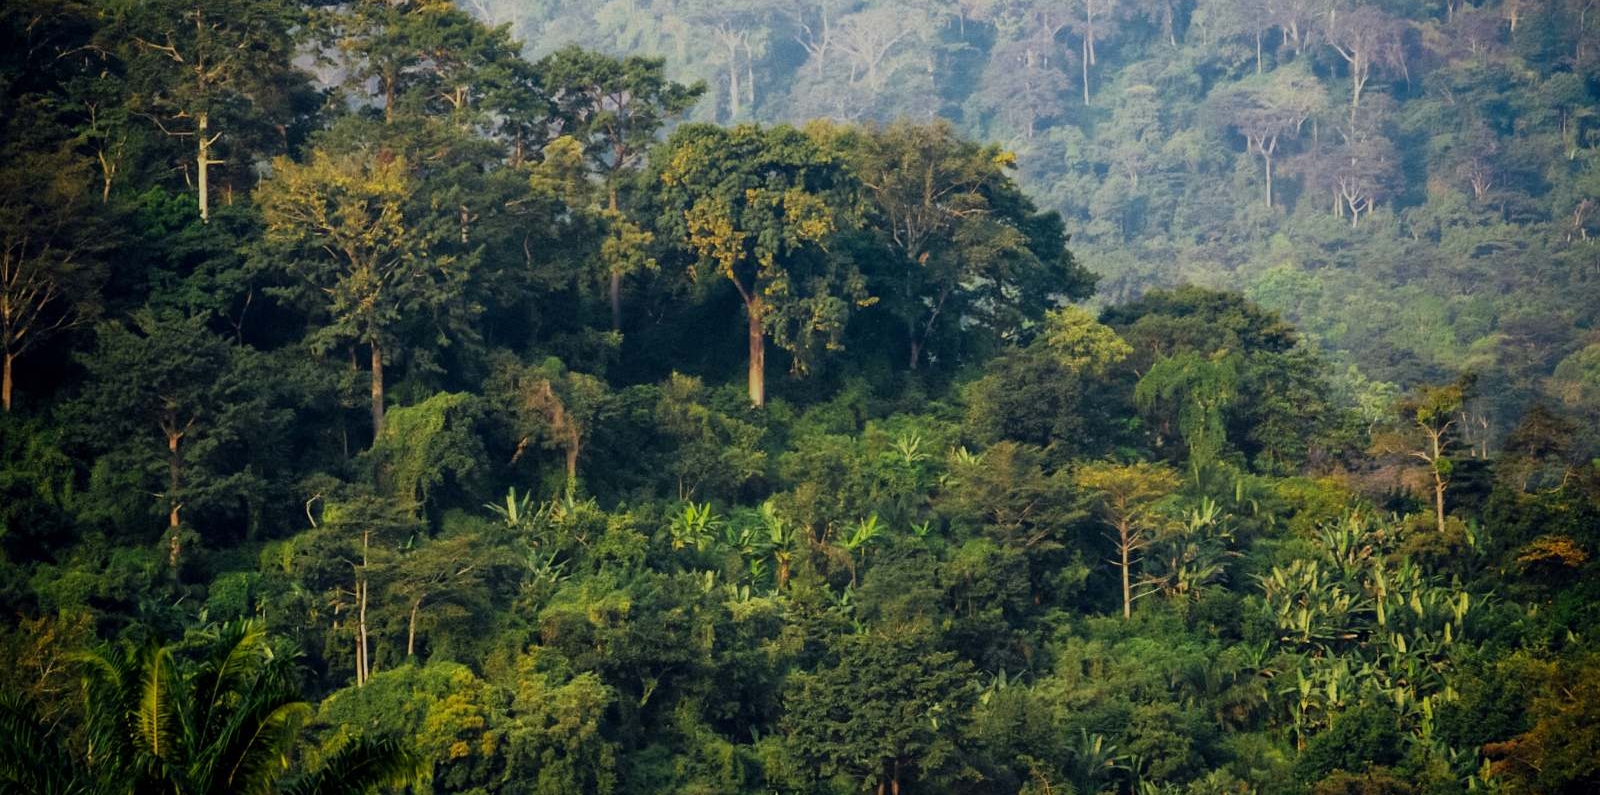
(1127, 585)
(755, 308)
(203, 162)
(916, 352)
(411, 628)
(363, 665)
(174, 473)
(1268, 158)
(5, 380)
(377, 390)
(1438, 489)
(1258, 52)
(1086, 70)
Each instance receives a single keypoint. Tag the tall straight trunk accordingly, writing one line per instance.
(363, 665)
(174, 477)
(411, 628)
(1268, 158)
(1085, 70)
(377, 390)
(755, 308)
(1127, 586)
(203, 162)
(1438, 486)
(5, 380)
(174, 482)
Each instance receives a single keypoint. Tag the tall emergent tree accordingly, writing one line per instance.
(163, 399)
(201, 68)
(615, 108)
(1127, 495)
(365, 260)
(758, 207)
(1427, 424)
(969, 250)
(49, 276)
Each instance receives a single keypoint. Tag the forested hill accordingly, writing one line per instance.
(387, 409)
(1412, 181)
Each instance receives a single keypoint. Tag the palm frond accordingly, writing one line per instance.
(359, 767)
(32, 760)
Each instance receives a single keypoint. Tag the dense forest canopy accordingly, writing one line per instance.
(1149, 398)
(1428, 162)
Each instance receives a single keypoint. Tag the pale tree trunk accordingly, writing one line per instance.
(174, 481)
(377, 390)
(755, 307)
(363, 664)
(1439, 483)
(174, 477)
(411, 628)
(203, 164)
(1123, 532)
(1085, 70)
(5, 380)
(1268, 158)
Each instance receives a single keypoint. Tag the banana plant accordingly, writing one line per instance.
(694, 526)
(860, 539)
(1191, 554)
(1312, 609)
(1094, 761)
(781, 540)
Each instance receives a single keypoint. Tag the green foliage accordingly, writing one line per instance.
(1355, 500)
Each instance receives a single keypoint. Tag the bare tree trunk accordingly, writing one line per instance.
(1438, 486)
(203, 162)
(755, 307)
(1268, 158)
(411, 628)
(1127, 586)
(5, 380)
(377, 390)
(174, 477)
(363, 666)
(1085, 70)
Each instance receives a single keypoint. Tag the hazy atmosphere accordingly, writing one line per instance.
(744, 397)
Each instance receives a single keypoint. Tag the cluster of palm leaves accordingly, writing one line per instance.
(219, 717)
(1361, 624)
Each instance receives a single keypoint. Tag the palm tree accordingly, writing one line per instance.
(227, 724)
